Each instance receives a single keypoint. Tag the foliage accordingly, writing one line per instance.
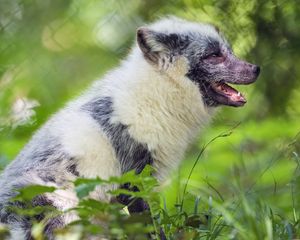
(243, 186)
(209, 214)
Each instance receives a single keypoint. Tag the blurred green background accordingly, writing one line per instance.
(50, 50)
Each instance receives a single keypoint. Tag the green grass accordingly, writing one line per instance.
(239, 185)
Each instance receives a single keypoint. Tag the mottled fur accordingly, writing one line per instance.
(146, 111)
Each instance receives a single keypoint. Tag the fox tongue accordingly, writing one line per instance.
(229, 92)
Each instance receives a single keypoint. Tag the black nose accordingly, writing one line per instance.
(256, 70)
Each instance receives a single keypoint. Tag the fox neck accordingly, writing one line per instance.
(161, 107)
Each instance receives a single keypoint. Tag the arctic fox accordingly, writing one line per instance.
(146, 111)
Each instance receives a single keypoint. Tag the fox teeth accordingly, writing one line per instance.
(239, 94)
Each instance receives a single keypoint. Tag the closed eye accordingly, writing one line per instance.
(216, 54)
(213, 55)
(215, 58)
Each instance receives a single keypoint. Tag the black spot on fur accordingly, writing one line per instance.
(135, 205)
(52, 224)
(176, 43)
(41, 200)
(47, 177)
(130, 153)
(73, 169)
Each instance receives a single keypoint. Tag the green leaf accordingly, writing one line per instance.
(29, 192)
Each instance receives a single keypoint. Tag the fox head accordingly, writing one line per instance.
(211, 63)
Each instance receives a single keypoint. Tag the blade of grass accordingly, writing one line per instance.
(225, 134)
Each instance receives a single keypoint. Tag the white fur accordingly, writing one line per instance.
(162, 108)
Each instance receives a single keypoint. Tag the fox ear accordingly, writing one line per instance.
(151, 45)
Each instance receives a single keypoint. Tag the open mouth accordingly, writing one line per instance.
(226, 95)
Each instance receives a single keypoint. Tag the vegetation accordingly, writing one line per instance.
(240, 180)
